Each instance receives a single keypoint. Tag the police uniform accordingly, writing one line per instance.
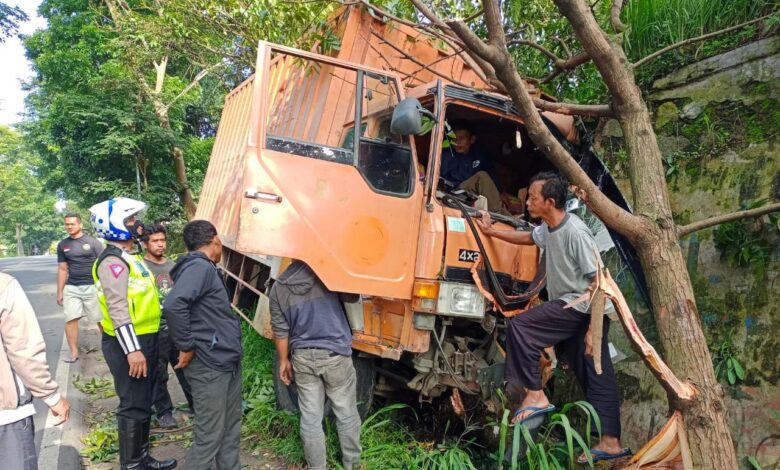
(131, 319)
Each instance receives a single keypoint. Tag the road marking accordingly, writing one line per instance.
(52, 435)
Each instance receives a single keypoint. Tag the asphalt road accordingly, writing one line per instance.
(38, 276)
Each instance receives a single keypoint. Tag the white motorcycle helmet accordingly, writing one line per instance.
(108, 217)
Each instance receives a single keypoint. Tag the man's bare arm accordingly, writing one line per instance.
(511, 236)
(62, 278)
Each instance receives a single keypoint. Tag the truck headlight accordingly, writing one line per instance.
(460, 300)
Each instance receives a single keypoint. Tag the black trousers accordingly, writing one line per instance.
(135, 395)
(167, 354)
(552, 325)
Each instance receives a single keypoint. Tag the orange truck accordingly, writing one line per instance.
(308, 164)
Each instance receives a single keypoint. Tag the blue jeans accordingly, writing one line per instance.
(319, 373)
(17, 445)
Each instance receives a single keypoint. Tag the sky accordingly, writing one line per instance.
(15, 67)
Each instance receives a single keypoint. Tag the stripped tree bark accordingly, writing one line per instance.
(651, 228)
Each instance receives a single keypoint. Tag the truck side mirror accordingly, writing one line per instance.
(407, 117)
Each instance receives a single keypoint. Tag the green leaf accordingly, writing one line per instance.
(754, 463)
(732, 377)
(739, 370)
(502, 439)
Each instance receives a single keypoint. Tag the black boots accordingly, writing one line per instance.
(131, 440)
(134, 447)
(150, 463)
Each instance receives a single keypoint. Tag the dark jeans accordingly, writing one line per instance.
(552, 325)
(17, 445)
(167, 354)
(217, 397)
(135, 395)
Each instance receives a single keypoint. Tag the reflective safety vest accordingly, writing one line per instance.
(142, 297)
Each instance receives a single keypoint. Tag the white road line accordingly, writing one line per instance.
(52, 435)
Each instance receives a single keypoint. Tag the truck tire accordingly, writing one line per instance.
(286, 396)
(365, 374)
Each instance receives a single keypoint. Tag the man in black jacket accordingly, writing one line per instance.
(208, 336)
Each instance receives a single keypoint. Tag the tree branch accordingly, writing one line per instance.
(614, 16)
(560, 65)
(567, 65)
(433, 17)
(612, 214)
(574, 109)
(724, 218)
(703, 37)
(192, 84)
(409, 57)
(474, 16)
(480, 68)
(494, 23)
(535, 45)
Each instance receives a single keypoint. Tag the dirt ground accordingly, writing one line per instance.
(95, 402)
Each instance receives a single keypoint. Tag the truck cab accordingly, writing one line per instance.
(306, 166)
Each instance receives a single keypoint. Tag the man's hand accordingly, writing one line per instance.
(137, 362)
(581, 194)
(61, 410)
(185, 357)
(484, 222)
(589, 343)
(59, 299)
(285, 371)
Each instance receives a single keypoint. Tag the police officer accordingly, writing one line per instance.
(131, 318)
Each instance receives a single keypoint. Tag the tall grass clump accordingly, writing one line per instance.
(654, 24)
(555, 446)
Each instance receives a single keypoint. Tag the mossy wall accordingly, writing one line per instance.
(718, 126)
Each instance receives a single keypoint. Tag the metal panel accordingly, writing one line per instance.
(222, 192)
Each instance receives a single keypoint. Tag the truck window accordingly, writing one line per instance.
(384, 159)
(311, 112)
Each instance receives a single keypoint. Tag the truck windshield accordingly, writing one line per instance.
(312, 110)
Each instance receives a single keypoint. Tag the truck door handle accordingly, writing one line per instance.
(261, 196)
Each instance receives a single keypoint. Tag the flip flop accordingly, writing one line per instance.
(601, 456)
(536, 411)
(70, 361)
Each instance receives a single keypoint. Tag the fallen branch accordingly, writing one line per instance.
(573, 109)
(703, 37)
(724, 218)
(482, 67)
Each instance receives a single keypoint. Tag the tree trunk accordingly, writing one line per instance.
(686, 353)
(677, 319)
(181, 177)
(19, 244)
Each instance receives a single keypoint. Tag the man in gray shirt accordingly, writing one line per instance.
(570, 263)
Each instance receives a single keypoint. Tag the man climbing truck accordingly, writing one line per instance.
(335, 161)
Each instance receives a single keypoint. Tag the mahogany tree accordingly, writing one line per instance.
(651, 227)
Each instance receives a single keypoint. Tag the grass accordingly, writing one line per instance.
(387, 435)
(658, 23)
